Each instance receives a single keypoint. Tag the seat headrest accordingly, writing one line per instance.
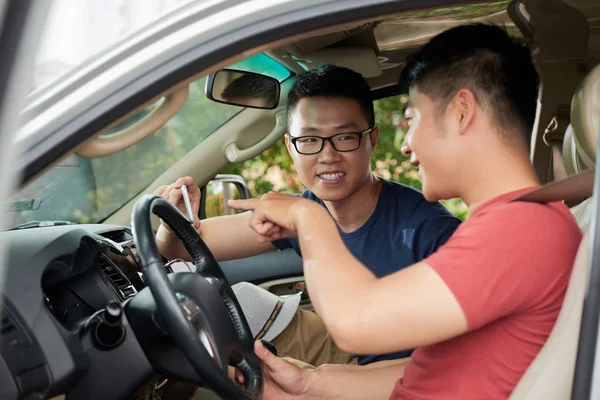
(585, 117)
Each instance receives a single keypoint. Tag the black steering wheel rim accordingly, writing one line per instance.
(171, 311)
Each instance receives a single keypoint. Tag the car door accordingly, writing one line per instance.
(21, 24)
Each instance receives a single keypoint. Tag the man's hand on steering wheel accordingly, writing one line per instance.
(281, 379)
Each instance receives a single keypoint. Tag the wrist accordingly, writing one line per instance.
(304, 211)
(315, 387)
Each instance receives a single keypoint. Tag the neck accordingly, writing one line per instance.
(352, 212)
(497, 173)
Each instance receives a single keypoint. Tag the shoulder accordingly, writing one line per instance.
(525, 249)
(391, 187)
(532, 227)
(412, 201)
(551, 217)
(399, 194)
(307, 194)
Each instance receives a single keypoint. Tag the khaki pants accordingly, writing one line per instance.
(305, 339)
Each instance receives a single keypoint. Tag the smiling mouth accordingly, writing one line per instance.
(331, 176)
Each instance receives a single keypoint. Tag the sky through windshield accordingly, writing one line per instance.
(77, 30)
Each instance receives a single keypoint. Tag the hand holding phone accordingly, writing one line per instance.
(185, 195)
(188, 204)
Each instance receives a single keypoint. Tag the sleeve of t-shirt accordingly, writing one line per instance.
(432, 233)
(282, 244)
(507, 261)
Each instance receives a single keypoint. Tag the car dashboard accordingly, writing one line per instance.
(112, 265)
(58, 278)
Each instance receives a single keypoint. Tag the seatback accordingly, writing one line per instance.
(550, 376)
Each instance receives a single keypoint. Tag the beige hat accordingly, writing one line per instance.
(267, 314)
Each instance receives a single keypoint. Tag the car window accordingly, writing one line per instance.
(86, 190)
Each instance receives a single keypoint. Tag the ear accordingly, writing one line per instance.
(465, 109)
(288, 145)
(374, 138)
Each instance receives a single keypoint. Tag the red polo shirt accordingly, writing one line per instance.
(508, 265)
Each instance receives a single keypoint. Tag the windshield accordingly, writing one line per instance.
(88, 190)
(77, 30)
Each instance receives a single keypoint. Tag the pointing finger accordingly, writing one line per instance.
(249, 204)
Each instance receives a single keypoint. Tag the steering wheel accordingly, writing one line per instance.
(199, 309)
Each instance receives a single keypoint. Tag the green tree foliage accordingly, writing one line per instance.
(274, 169)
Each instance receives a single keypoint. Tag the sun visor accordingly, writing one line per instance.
(360, 59)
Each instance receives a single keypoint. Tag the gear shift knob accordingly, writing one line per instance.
(113, 313)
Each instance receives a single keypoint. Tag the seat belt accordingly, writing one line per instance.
(575, 187)
(558, 166)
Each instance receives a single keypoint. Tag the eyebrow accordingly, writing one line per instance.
(338, 127)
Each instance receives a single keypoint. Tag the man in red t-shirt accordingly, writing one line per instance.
(480, 308)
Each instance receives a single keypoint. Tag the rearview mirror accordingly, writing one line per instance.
(242, 88)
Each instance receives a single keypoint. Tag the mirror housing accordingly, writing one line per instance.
(243, 88)
(215, 194)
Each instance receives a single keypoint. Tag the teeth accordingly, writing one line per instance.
(332, 176)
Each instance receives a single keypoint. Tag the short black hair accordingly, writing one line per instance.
(328, 80)
(485, 59)
(252, 85)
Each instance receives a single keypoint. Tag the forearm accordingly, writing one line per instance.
(227, 237)
(334, 277)
(375, 365)
(170, 246)
(230, 237)
(356, 382)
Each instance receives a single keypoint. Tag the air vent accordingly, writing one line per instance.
(120, 283)
(118, 236)
(11, 333)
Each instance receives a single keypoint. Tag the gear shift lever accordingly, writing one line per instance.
(109, 332)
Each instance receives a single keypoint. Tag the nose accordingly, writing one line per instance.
(405, 148)
(328, 153)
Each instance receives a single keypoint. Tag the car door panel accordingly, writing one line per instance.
(264, 267)
(279, 272)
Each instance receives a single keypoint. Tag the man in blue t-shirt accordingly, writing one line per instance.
(387, 226)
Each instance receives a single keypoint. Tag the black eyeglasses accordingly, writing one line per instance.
(342, 142)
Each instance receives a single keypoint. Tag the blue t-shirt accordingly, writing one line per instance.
(403, 230)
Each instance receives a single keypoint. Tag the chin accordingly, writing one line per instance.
(430, 197)
(436, 195)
